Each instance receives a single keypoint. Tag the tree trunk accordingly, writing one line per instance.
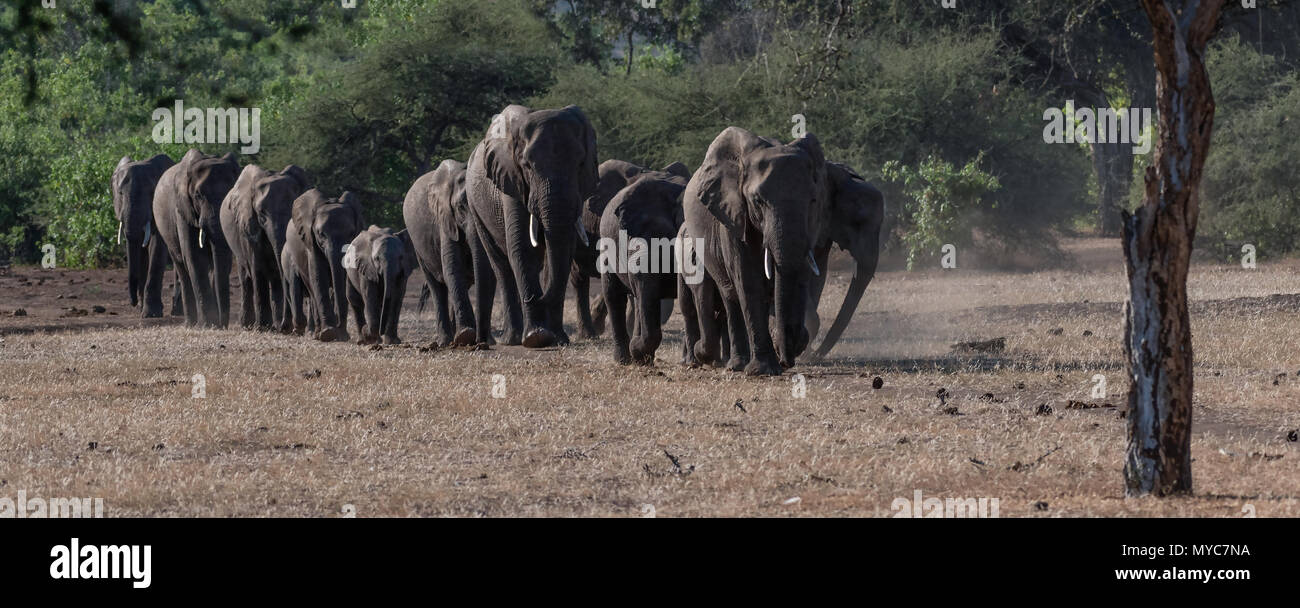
(1157, 253)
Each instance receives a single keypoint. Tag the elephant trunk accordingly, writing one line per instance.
(559, 209)
(135, 270)
(861, 277)
(790, 303)
(220, 270)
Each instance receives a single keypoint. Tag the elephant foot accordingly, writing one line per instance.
(511, 338)
(561, 338)
(152, 314)
(622, 357)
(490, 340)
(464, 337)
(392, 340)
(736, 364)
(760, 367)
(641, 358)
(539, 338)
(329, 334)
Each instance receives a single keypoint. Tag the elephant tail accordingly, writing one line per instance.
(425, 293)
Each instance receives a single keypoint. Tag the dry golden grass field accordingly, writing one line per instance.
(100, 405)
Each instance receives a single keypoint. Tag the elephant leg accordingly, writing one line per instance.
(707, 302)
(514, 317)
(581, 295)
(358, 304)
(320, 281)
(734, 318)
(178, 300)
(374, 304)
(445, 329)
(338, 283)
(246, 295)
(649, 334)
(690, 323)
(199, 267)
(598, 313)
(752, 299)
(153, 280)
(455, 269)
(392, 313)
(262, 282)
(616, 300)
(485, 289)
(186, 286)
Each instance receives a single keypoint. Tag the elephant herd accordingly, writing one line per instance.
(528, 214)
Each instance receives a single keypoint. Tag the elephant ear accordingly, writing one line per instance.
(441, 196)
(298, 174)
(119, 174)
(502, 169)
(353, 203)
(304, 212)
(408, 252)
(718, 181)
(810, 146)
(589, 170)
(678, 169)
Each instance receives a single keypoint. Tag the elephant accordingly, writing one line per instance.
(700, 299)
(254, 218)
(318, 229)
(856, 212)
(758, 206)
(133, 186)
(613, 176)
(647, 215)
(378, 265)
(526, 182)
(187, 213)
(436, 211)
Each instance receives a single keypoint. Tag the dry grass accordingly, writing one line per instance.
(397, 432)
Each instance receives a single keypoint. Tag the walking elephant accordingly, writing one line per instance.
(318, 229)
(526, 182)
(133, 186)
(187, 214)
(254, 218)
(613, 176)
(436, 210)
(646, 216)
(856, 212)
(758, 205)
(378, 265)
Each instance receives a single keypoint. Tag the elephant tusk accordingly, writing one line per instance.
(582, 234)
(119, 233)
(812, 262)
(200, 238)
(534, 231)
(147, 234)
(767, 263)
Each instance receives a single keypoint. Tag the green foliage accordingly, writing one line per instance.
(1251, 190)
(939, 203)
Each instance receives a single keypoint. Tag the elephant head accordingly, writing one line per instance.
(771, 198)
(545, 160)
(133, 186)
(273, 202)
(857, 210)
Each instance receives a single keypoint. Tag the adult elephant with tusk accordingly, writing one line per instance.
(134, 183)
(187, 210)
(758, 205)
(526, 182)
(254, 217)
(318, 230)
(856, 210)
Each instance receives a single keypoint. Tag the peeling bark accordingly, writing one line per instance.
(1157, 253)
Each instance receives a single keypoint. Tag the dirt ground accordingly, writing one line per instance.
(101, 404)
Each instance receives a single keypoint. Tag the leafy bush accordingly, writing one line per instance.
(940, 203)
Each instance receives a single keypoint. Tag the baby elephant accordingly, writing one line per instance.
(637, 258)
(378, 263)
